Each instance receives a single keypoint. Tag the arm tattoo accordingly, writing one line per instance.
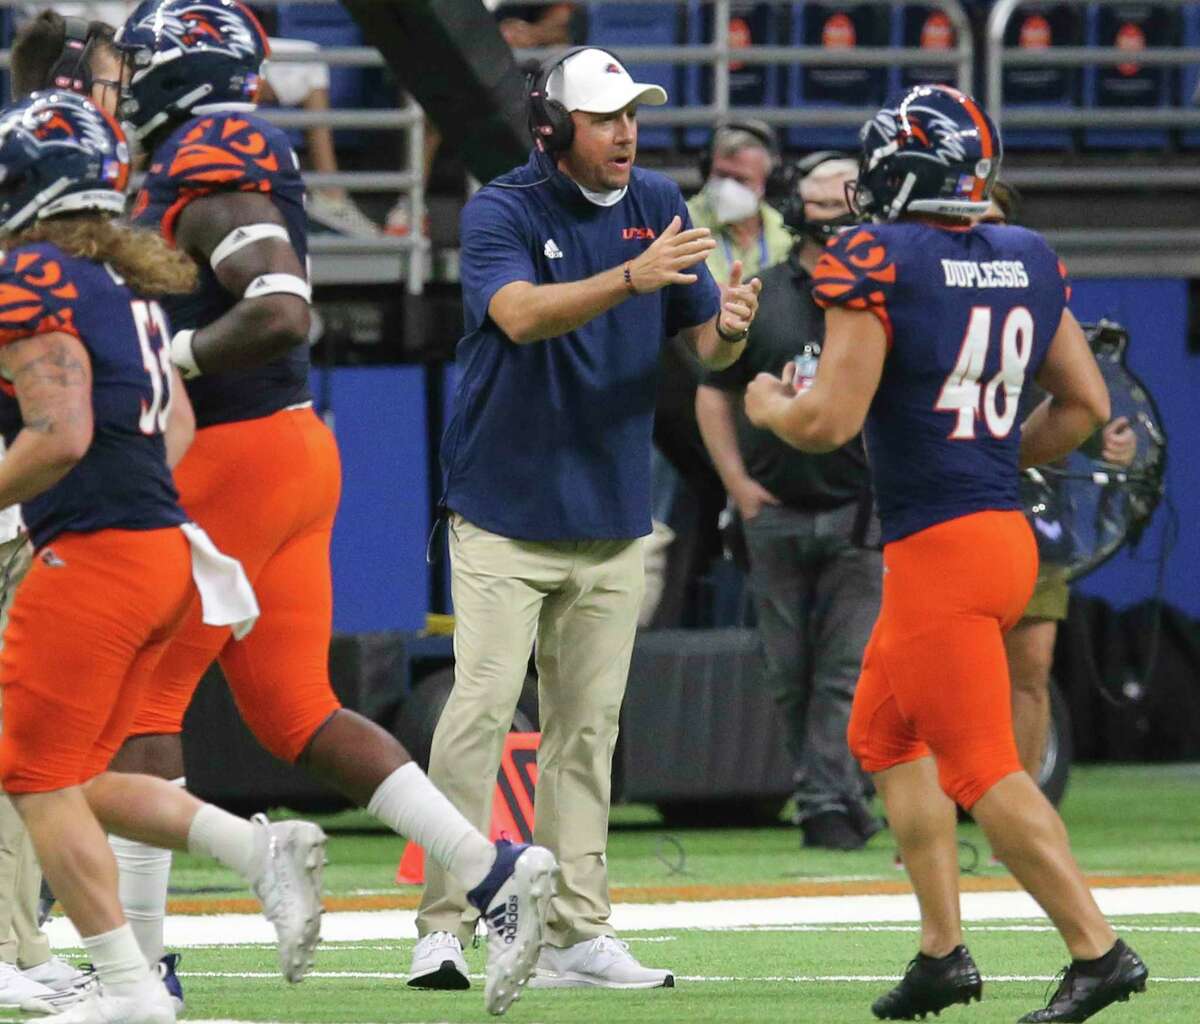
(41, 382)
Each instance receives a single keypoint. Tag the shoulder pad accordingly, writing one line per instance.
(36, 295)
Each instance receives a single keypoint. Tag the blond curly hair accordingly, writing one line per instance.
(149, 266)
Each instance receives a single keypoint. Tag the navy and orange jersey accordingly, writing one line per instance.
(969, 316)
(228, 151)
(122, 481)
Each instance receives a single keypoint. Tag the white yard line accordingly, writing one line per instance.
(374, 926)
(785, 978)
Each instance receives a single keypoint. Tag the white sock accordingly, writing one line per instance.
(232, 841)
(145, 874)
(118, 960)
(408, 803)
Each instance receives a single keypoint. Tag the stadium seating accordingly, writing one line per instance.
(642, 24)
(329, 24)
(841, 27)
(1038, 26)
(1189, 78)
(926, 28)
(1133, 27)
(750, 85)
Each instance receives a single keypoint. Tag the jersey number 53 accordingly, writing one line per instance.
(152, 332)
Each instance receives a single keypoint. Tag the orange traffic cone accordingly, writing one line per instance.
(512, 803)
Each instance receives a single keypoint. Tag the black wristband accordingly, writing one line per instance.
(732, 339)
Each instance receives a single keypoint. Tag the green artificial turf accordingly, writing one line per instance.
(1131, 819)
(774, 977)
(1123, 821)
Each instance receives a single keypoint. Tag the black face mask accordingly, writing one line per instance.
(821, 231)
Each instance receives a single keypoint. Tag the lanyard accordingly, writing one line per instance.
(762, 250)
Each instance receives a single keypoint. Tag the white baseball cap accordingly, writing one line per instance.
(595, 82)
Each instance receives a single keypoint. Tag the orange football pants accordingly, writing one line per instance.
(935, 675)
(89, 624)
(266, 492)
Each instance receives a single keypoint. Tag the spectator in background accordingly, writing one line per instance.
(1030, 643)
(735, 168)
(305, 84)
(732, 203)
(813, 540)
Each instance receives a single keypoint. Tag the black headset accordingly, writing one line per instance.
(791, 205)
(72, 70)
(550, 122)
(751, 126)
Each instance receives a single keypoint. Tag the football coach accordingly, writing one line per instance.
(576, 267)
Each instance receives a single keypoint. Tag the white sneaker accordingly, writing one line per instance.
(98, 1007)
(514, 900)
(67, 985)
(341, 214)
(603, 962)
(16, 990)
(438, 962)
(289, 889)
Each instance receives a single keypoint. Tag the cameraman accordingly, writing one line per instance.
(808, 521)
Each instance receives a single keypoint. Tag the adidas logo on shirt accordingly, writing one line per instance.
(552, 251)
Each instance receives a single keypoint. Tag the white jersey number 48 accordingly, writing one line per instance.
(996, 402)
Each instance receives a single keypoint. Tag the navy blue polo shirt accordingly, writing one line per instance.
(551, 440)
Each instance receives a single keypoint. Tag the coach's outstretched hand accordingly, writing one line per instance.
(739, 302)
(669, 255)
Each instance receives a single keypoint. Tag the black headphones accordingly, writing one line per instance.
(72, 70)
(791, 205)
(550, 122)
(751, 126)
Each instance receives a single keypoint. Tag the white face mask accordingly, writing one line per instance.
(731, 201)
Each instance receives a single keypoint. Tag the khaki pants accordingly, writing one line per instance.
(21, 940)
(579, 601)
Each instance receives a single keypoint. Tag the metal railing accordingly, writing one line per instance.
(1001, 58)
(721, 53)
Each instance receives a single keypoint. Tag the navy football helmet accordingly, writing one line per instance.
(59, 153)
(184, 55)
(934, 151)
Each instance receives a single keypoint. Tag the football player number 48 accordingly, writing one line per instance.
(152, 337)
(996, 403)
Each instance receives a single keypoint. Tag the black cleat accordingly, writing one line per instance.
(930, 985)
(1080, 995)
(831, 830)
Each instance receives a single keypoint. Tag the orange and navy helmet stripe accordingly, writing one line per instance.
(987, 140)
(262, 32)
